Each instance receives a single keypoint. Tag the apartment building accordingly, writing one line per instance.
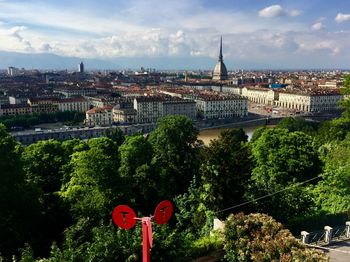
(259, 95)
(71, 92)
(44, 105)
(15, 110)
(99, 116)
(305, 100)
(309, 102)
(79, 104)
(150, 108)
(180, 107)
(213, 106)
(124, 115)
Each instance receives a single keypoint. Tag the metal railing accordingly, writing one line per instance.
(326, 236)
(317, 237)
(339, 233)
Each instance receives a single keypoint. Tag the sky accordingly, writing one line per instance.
(256, 33)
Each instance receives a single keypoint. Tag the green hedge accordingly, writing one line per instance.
(317, 222)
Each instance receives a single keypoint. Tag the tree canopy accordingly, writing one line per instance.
(68, 190)
(281, 159)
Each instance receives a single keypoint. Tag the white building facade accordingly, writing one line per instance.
(124, 115)
(180, 107)
(216, 107)
(304, 101)
(151, 108)
(79, 104)
(260, 95)
(99, 116)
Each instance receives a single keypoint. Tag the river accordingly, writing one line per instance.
(207, 135)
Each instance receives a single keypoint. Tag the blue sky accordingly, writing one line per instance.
(256, 33)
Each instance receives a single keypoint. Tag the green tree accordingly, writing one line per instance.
(94, 183)
(191, 214)
(92, 190)
(116, 134)
(334, 130)
(299, 124)
(102, 242)
(135, 168)
(27, 121)
(19, 208)
(135, 152)
(257, 133)
(176, 150)
(258, 237)
(225, 170)
(43, 166)
(73, 145)
(332, 192)
(283, 159)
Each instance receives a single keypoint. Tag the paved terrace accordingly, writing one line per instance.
(337, 252)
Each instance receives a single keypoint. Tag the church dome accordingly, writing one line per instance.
(220, 71)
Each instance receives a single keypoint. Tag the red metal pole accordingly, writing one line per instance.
(146, 257)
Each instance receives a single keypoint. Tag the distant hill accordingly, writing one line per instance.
(51, 61)
(47, 61)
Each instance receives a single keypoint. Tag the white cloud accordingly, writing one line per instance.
(340, 18)
(325, 44)
(294, 13)
(272, 11)
(318, 26)
(15, 32)
(277, 11)
(178, 30)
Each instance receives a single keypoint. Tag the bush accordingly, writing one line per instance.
(258, 237)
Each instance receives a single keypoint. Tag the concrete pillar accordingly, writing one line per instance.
(218, 224)
(305, 237)
(347, 229)
(328, 235)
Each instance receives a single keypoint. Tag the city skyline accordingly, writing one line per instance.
(181, 34)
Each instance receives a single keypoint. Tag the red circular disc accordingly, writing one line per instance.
(163, 212)
(124, 217)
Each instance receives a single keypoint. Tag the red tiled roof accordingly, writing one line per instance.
(99, 109)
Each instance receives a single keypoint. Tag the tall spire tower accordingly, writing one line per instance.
(220, 55)
(220, 71)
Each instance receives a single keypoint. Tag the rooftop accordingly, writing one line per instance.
(99, 109)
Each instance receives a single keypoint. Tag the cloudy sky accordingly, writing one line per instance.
(256, 33)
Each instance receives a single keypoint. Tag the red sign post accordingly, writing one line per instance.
(125, 217)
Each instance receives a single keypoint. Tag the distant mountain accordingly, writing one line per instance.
(51, 61)
(47, 61)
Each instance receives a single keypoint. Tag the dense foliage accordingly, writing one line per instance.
(258, 237)
(67, 191)
(26, 121)
(283, 159)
